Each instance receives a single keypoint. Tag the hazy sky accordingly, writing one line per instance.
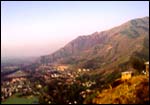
(37, 28)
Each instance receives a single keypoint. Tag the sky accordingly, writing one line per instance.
(35, 28)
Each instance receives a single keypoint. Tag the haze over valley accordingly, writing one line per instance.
(63, 52)
(41, 28)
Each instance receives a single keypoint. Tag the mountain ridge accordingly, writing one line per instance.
(104, 47)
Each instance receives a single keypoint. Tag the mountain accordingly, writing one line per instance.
(106, 49)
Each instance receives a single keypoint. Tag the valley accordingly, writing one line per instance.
(84, 70)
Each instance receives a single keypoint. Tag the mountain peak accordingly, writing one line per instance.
(124, 40)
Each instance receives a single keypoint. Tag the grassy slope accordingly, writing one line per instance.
(133, 91)
(19, 100)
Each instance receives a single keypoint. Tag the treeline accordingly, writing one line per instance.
(138, 59)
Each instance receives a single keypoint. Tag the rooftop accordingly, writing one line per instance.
(126, 72)
(147, 63)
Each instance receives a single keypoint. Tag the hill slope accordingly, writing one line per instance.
(106, 48)
(135, 90)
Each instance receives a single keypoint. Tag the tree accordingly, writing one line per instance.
(137, 63)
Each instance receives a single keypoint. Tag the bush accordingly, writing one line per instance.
(142, 92)
(93, 63)
(137, 63)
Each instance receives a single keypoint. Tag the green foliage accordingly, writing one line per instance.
(15, 99)
(130, 32)
(124, 66)
(137, 63)
(145, 50)
(93, 63)
(86, 77)
(138, 58)
(111, 77)
(90, 97)
(74, 91)
(59, 94)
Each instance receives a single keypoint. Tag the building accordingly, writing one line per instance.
(39, 86)
(147, 67)
(62, 67)
(126, 75)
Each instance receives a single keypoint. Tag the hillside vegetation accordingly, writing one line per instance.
(106, 49)
(106, 54)
(132, 91)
